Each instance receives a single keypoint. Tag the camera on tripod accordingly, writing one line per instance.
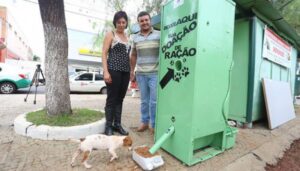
(40, 80)
(36, 80)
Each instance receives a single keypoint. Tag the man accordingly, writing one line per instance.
(144, 56)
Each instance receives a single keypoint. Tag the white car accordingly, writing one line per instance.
(87, 82)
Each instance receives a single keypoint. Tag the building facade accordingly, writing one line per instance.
(83, 55)
(13, 44)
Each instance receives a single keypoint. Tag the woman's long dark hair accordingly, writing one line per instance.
(118, 15)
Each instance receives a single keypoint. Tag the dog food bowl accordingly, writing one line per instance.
(147, 161)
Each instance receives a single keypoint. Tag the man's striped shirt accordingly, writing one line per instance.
(147, 48)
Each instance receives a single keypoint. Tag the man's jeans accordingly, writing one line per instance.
(147, 85)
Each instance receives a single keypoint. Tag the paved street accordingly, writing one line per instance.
(253, 148)
(40, 90)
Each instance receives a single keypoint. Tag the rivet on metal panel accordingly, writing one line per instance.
(173, 119)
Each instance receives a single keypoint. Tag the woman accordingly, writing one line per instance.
(116, 71)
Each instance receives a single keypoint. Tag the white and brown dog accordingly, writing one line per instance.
(100, 141)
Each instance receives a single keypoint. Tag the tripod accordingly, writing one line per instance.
(35, 80)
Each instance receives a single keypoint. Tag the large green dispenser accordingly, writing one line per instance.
(194, 73)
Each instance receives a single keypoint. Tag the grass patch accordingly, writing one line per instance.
(79, 117)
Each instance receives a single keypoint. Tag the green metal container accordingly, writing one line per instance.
(194, 70)
(246, 95)
(297, 86)
(230, 137)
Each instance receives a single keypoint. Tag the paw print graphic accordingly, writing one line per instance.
(185, 71)
(177, 77)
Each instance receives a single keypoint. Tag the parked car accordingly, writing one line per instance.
(11, 79)
(87, 82)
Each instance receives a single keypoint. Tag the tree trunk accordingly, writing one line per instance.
(56, 57)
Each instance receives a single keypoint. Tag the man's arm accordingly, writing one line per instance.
(133, 57)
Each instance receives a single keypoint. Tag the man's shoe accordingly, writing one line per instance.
(142, 128)
(151, 131)
(118, 128)
(108, 131)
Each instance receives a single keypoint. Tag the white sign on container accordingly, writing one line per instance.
(276, 49)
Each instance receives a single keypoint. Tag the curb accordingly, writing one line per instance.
(45, 132)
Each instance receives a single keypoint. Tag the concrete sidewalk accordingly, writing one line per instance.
(254, 147)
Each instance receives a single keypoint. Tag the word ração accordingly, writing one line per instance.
(186, 52)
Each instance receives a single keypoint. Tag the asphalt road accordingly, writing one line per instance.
(40, 90)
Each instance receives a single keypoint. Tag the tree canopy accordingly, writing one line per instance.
(290, 9)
